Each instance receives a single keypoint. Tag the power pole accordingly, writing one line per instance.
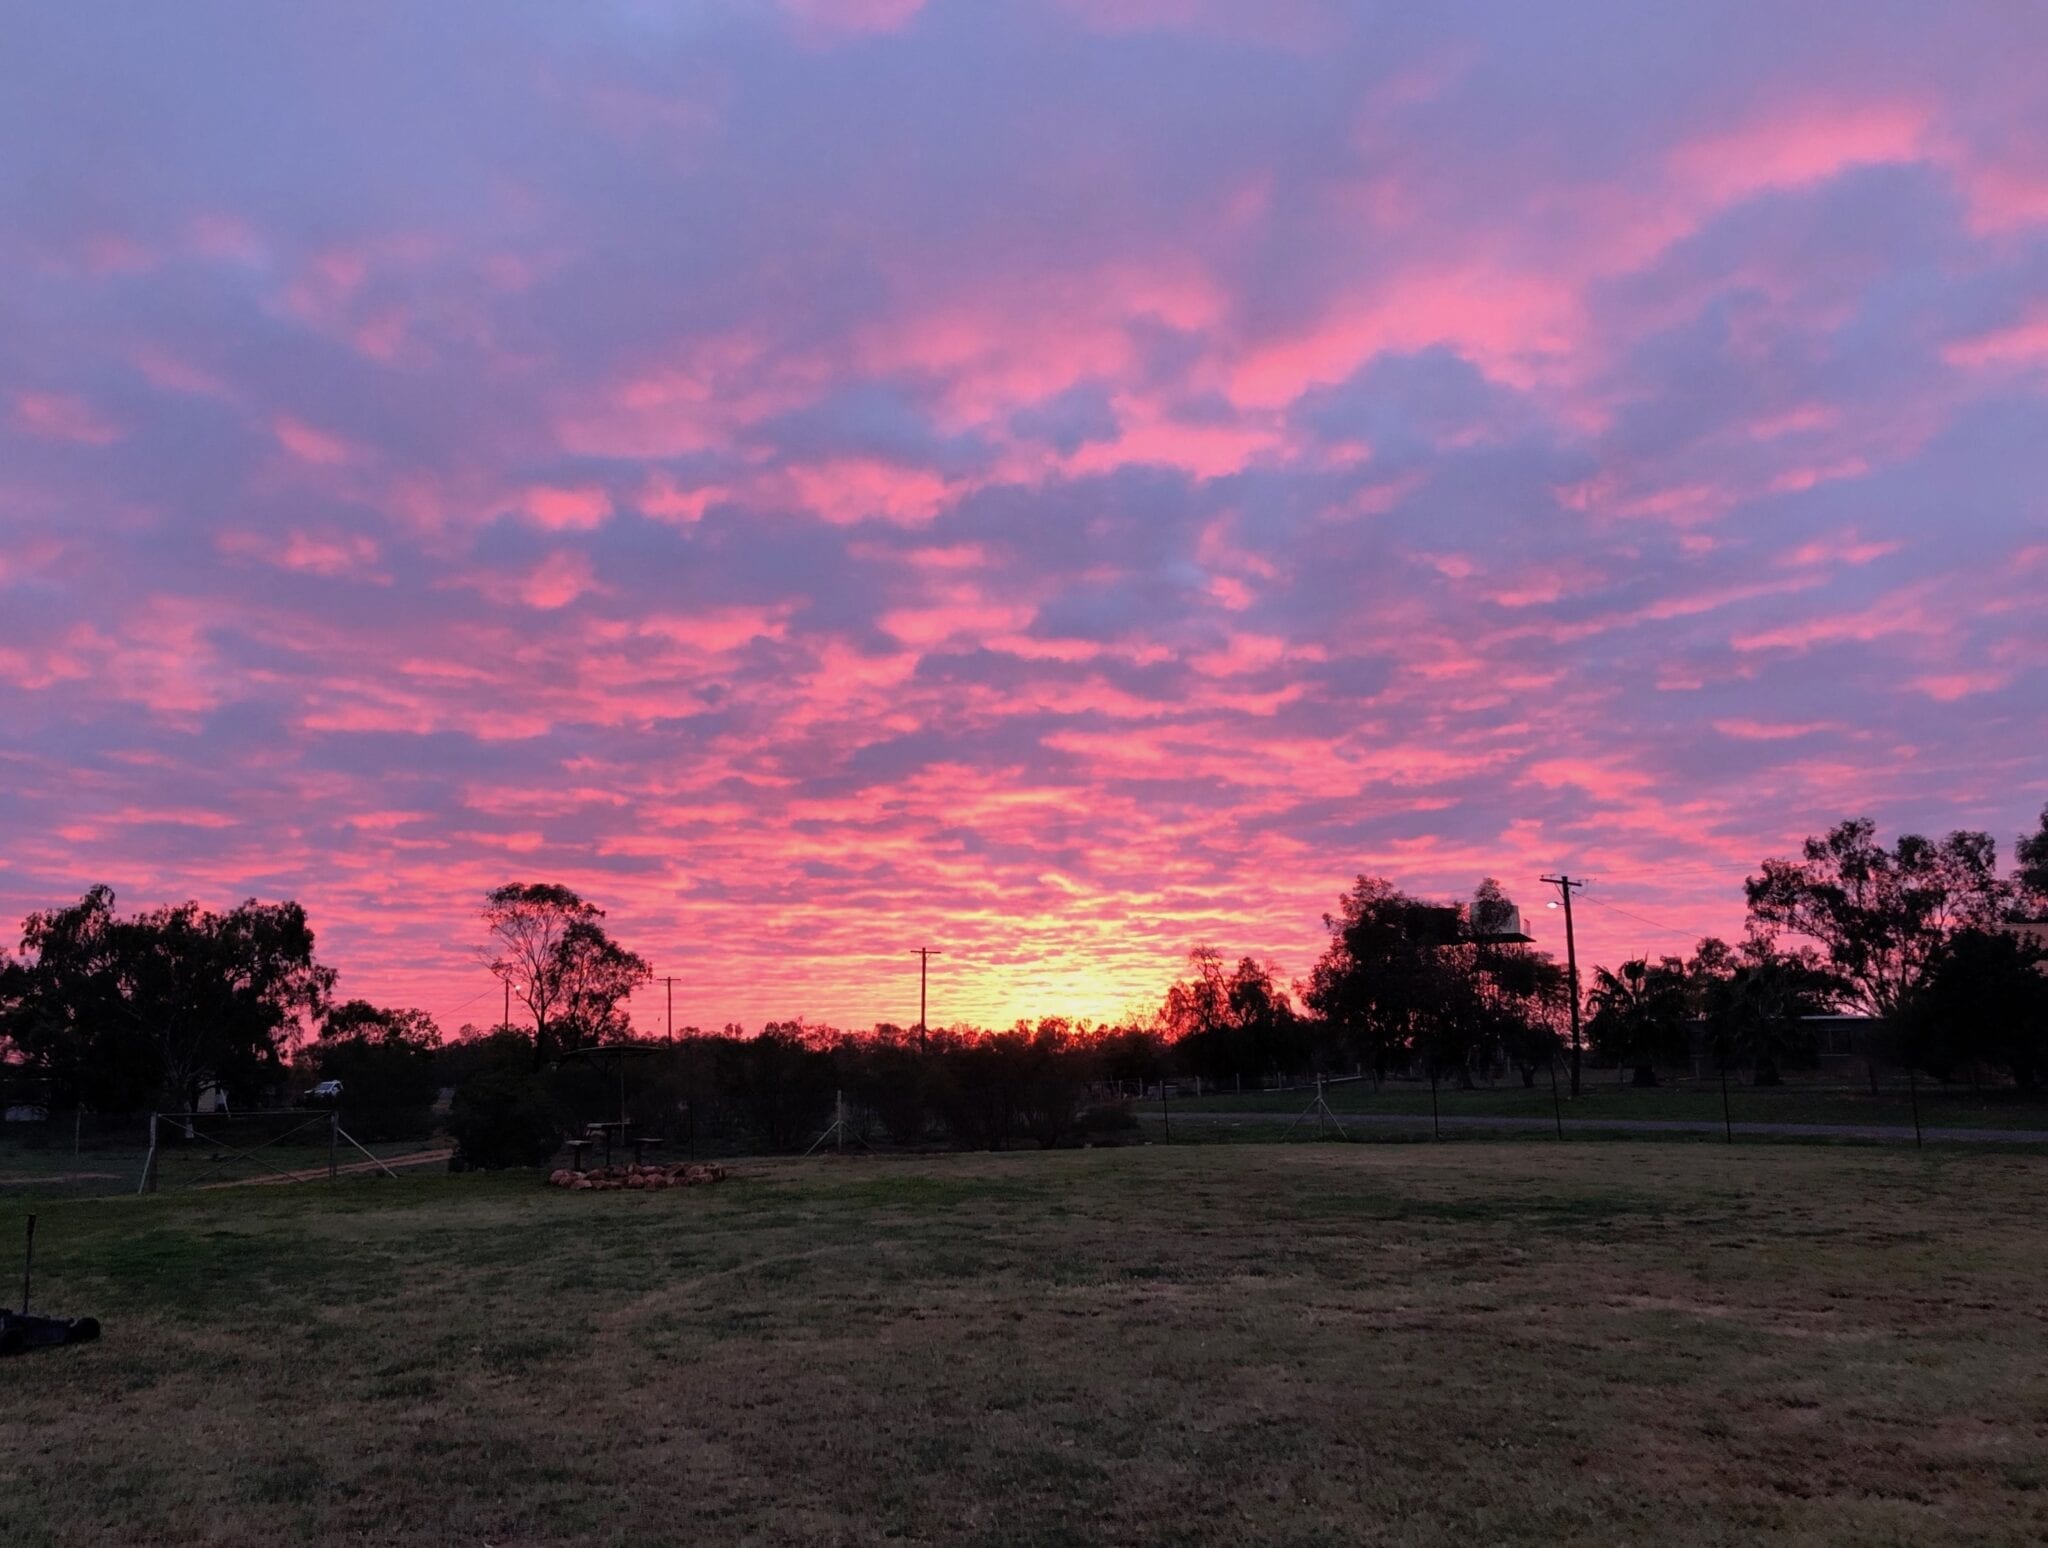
(671, 984)
(507, 1022)
(1565, 886)
(924, 957)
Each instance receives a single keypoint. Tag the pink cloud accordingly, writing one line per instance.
(554, 582)
(851, 489)
(1801, 145)
(167, 371)
(843, 16)
(1510, 324)
(568, 510)
(1841, 548)
(1745, 730)
(63, 416)
(309, 553)
(2023, 343)
(665, 498)
(1950, 686)
(310, 444)
(226, 238)
(2005, 199)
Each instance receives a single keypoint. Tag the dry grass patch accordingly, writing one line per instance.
(1305, 1344)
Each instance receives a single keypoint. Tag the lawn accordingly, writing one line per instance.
(1308, 1344)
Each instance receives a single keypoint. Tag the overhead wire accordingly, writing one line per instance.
(1654, 924)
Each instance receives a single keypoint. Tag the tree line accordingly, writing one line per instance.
(120, 1014)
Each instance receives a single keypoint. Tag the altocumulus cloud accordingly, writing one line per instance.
(1065, 480)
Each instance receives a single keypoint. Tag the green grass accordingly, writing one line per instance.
(1940, 1106)
(1513, 1343)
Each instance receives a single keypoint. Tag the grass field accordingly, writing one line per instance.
(1511, 1343)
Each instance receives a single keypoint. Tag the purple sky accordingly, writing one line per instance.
(1058, 481)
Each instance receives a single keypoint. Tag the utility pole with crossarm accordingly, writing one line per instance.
(924, 957)
(1565, 885)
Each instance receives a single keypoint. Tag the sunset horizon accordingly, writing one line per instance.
(1162, 773)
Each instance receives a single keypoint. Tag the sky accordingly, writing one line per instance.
(1060, 481)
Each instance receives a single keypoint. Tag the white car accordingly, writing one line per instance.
(325, 1094)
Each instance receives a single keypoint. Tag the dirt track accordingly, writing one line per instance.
(352, 1168)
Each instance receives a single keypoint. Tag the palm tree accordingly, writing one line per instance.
(1754, 1013)
(1639, 1015)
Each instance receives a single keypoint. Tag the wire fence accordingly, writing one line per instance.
(83, 1153)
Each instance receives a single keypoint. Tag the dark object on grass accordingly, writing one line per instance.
(19, 1332)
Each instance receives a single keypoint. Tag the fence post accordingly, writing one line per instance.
(1556, 1105)
(149, 1161)
(1165, 1117)
(1913, 1085)
(1727, 1118)
(333, 1144)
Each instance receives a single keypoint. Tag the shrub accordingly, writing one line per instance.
(502, 1116)
(1116, 1119)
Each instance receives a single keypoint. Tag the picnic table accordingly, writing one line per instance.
(604, 1134)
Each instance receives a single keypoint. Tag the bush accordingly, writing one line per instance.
(1116, 1120)
(502, 1116)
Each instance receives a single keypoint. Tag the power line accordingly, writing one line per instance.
(1615, 908)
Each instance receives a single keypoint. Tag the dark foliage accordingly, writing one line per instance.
(1880, 915)
(384, 1060)
(121, 1014)
(1984, 1003)
(503, 1113)
(780, 1084)
(1640, 1015)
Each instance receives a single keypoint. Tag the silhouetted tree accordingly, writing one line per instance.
(598, 976)
(1984, 1000)
(1239, 1022)
(1639, 1015)
(1880, 915)
(1052, 1069)
(118, 1012)
(1130, 1054)
(502, 1113)
(890, 1075)
(552, 948)
(780, 1083)
(384, 1060)
(1525, 994)
(2032, 880)
(1754, 1002)
(1383, 972)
